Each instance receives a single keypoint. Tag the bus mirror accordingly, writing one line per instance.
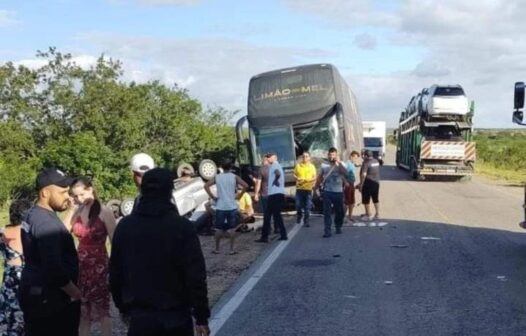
(518, 116)
(518, 99)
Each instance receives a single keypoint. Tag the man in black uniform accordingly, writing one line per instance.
(370, 184)
(48, 293)
(157, 269)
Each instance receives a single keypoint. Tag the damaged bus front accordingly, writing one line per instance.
(306, 108)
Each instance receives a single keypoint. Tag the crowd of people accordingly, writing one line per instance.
(58, 278)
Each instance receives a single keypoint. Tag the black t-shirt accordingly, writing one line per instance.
(263, 175)
(51, 260)
(372, 168)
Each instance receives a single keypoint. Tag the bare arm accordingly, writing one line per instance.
(109, 221)
(242, 184)
(71, 215)
(208, 184)
(257, 189)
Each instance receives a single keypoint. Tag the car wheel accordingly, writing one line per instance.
(127, 206)
(207, 169)
(185, 166)
(115, 205)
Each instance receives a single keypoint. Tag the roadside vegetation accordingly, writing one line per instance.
(90, 122)
(501, 154)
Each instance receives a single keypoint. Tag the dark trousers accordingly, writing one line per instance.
(64, 322)
(273, 210)
(264, 205)
(332, 200)
(155, 324)
(303, 205)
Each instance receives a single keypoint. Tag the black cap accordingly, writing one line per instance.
(52, 176)
(157, 182)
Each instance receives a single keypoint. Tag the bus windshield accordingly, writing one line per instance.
(317, 139)
(277, 140)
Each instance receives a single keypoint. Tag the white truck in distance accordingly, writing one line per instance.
(374, 134)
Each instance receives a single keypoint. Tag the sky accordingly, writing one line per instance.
(386, 50)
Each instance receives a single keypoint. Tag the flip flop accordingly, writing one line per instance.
(215, 252)
(232, 252)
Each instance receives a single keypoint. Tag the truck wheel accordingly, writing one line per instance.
(207, 169)
(127, 206)
(413, 170)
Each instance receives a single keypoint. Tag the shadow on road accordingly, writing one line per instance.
(402, 278)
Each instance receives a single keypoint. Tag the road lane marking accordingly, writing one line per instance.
(230, 307)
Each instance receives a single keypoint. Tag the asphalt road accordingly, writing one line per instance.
(448, 260)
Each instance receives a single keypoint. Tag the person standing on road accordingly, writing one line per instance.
(349, 192)
(49, 296)
(370, 185)
(227, 213)
(157, 268)
(332, 179)
(305, 175)
(139, 164)
(92, 224)
(261, 187)
(276, 199)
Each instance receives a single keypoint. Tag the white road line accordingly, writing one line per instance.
(230, 307)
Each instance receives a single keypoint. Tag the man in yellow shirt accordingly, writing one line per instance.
(305, 174)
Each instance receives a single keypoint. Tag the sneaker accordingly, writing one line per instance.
(326, 235)
(366, 218)
(306, 225)
(261, 240)
(338, 231)
(276, 231)
(283, 238)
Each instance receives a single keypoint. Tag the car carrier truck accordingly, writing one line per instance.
(436, 143)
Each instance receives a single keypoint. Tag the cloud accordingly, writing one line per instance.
(365, 41)
(344, 12)
(476, 43)
(214, 70)
(8, 18)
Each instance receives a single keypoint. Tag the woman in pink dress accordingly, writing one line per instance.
(92, 224)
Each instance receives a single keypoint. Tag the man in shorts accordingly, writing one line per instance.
(227, 213)
(370, 185)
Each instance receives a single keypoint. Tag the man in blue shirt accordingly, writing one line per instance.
(276, 199)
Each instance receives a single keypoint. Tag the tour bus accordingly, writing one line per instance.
(304, 108)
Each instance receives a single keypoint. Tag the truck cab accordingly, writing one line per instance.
(374, 135)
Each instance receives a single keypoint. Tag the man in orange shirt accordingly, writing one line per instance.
(305, 174)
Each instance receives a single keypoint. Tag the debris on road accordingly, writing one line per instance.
(399, 246)
(502, 278)
(336, 255)
(430, 238)
(388, 283)
(351, 297)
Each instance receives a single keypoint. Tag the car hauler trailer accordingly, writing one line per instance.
(436, 144)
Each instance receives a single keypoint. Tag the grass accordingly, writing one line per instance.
(501, 154)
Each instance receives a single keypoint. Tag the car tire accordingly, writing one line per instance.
(126, 206)
(207, 169)
(183, 166)
(115, 206)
